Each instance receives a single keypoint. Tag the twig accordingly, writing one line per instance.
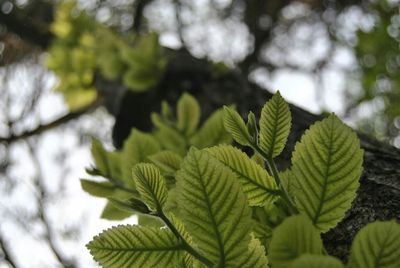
(42, 195)
(6, 253)
(25, 28)
(138, 16)
(177, 9)
(185, 244)
(274, 172)
(44, 127)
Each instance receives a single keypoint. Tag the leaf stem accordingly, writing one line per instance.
(274, 172)
(185, 244)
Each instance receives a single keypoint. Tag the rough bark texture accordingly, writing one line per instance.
(379, 193)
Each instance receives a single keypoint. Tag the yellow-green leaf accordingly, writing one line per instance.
(259, 187)
(275, 124)
(316, 261)
(235, 125)
(293, 237)
(213, 208)
(327, 164)
(376, 246)
(136, 149)
(212, 132)
(99, 189)
(169, 162)
(135, 246)
(151, 185)
(188, 114)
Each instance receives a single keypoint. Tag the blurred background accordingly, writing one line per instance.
(61, 85)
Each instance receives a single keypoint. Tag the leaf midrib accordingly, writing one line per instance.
(210, 213)
(269, 190)
(326, 175)
(171, 248)
(276, 119)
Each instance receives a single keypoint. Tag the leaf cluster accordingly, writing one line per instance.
(82, 47)
(217, 207)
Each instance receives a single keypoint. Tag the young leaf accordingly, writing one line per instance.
(275, 124)
(252, 126)
(166, 112)
(316, 261)
(134, 246)
(99, 189)
(169, 162)
(259, 187)
(136, 149)
(376, 246)
(213, 208)
(235, 125)
(212, 132)
(151, 185)
(327, 164)
(292, 238)
(255, 256)
(188, 114)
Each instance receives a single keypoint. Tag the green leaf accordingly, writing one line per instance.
(168, 136)
(136, 149)
(292, 238)
(213, 208)
(255, 256)
(169, 162)
(252, 126)
(212, 132)
(288, 181)
(275, 124)
(99, 189)
(108, 163)
(235, 125)
(150, 221)
(259, 187)
(316, 261)
(99, 155)
(112, 212)
(188, 114)
(151, 185)
(262, 232)
(132, 205)
(166, 112)
(376, 246)
(327, 164)
(135, 246)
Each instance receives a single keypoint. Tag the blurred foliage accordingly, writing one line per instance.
(378, 54)
(83, 47)
(175, 132)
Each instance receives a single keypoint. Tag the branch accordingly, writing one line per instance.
(45, 127)
(25, 28)
(138, 16)
(6, 253)
(42, 214)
